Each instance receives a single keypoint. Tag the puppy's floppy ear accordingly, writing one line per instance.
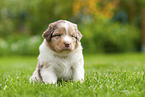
(48, 33)
(78, 33)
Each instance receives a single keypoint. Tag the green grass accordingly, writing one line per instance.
(105, 75)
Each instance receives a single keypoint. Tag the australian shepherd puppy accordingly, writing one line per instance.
(60, 55)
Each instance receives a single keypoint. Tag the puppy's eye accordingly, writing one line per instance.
(56, 35)
(72, 36)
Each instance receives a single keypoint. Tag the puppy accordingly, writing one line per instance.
(60, 55)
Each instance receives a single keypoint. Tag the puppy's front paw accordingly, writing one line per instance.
(33, 79)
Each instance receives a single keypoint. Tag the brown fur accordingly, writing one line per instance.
(56, 33)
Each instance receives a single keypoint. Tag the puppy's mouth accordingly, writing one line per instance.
(67, 49)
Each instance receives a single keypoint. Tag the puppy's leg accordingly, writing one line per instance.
(78, 73)
(36, 75)
(48, 76)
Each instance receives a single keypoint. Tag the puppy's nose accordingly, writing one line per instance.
(67, 44)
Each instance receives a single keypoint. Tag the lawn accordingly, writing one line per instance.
(105, 75)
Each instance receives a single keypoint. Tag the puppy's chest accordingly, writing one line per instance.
(63, 68)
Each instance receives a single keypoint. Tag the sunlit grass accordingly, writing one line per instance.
(106, 75)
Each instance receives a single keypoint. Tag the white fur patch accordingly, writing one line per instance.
(69, 66)
(66, 27)
(67, 39)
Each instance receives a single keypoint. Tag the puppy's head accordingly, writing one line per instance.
(62, 36)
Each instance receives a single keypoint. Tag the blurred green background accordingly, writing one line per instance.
(108, 26)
